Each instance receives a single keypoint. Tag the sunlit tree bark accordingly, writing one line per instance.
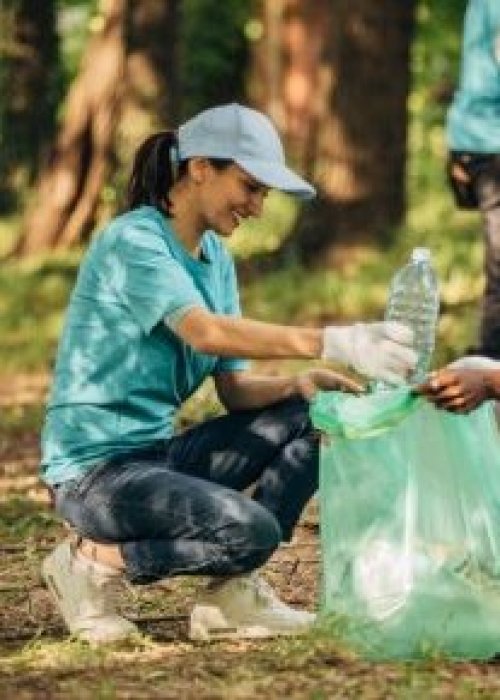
(69, 185)
(337, 85)
(152, 56)
(288, 80)
(124, 74)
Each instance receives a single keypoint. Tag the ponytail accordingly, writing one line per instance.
(156, 167)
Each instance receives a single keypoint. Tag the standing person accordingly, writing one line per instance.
(473, 134)
(154, 311)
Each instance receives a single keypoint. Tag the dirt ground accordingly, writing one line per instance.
(38, 660)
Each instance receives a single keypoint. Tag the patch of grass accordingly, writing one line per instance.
(19, 418)
(73, 653)
(33, 297)
(22, 519)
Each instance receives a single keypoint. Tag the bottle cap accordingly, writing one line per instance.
(420, 255)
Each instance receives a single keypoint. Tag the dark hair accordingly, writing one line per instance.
(156, 168)
(153, 172)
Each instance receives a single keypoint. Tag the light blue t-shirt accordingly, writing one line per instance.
(121, 373)
(473, 122)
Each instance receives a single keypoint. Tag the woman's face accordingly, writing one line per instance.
(227, 197)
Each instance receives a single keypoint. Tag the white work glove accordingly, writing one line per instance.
(378, 350)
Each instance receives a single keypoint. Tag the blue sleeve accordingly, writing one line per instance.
(494, 14)
(152, 284)
(494, 24)
(231, 308)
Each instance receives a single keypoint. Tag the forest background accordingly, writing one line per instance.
(358, 90)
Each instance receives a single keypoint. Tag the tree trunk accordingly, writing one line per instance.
(152, 57)
(28, 70)
(119, 96)
(69, 185)
(151, 91)
(288, 77)
(340, 101)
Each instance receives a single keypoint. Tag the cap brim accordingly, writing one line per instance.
(277, 176)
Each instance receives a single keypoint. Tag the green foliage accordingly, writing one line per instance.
(74, 24)
(266, 234)
(22, 519)
(435, 59)
(213, 52)
(358, 289)
(33, 296)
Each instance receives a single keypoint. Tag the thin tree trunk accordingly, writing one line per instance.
(69, 185)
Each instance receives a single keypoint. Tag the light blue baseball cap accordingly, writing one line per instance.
(246, 137)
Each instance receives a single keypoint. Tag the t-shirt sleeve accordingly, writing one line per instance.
(494, 20)
(153, 285)
(231, 308)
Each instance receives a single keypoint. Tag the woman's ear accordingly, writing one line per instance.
(198, 169)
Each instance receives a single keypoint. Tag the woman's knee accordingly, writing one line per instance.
(255, 535)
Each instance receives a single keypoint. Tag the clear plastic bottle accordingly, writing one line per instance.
(414, 301)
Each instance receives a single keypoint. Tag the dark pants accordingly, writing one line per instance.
(176, 507)
(488, 189)
(483, 192)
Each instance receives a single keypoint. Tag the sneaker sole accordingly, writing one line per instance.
(203, 628)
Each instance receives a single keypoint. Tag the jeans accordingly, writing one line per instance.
(482, 191)
(488, 193)
(176, 507)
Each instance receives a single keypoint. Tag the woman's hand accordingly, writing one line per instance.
(313, 380)
(458, 390)
(382, 350)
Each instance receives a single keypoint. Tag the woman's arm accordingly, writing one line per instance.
(230, 336)
(243, 390)
(380, 350)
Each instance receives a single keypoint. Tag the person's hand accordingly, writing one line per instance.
(457, 390)
(313, 380)
(378, 350)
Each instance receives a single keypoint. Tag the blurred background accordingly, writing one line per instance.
(358, 90)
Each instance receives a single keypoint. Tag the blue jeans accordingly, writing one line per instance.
(176, 507)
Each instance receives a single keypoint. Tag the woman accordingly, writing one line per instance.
(154, 311)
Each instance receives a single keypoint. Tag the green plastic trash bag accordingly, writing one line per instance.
(410, 525)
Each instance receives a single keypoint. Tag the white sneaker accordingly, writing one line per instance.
(245, 607)
(81, 590)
